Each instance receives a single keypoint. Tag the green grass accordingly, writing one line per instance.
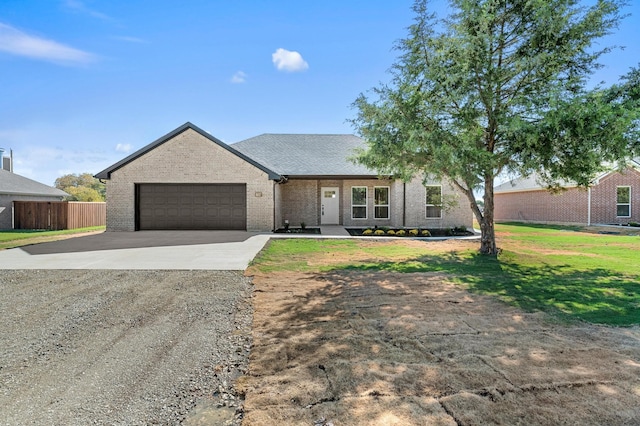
(21, 237)
(574, 275)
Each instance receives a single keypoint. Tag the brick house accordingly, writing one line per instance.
(613, 198)
(188, 179)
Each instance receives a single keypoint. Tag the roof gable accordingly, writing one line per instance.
(11, 183)
(306, 154)
(106, 173)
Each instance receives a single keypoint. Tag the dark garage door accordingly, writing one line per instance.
(191, 206)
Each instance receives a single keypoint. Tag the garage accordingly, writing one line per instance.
(170, 206)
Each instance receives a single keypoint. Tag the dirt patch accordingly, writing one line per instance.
(371, 348)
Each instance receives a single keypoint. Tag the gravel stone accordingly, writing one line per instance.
(80, 347)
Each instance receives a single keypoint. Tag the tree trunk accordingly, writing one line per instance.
(487, 228)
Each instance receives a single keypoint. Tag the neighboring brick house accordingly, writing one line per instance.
(613, 198)
(188, 179)
(14, 187)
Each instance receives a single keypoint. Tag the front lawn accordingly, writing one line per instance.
(560, 270)
(23, 237)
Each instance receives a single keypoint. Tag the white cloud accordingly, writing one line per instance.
(16, 42)
(239, 77)
(46, 164)
(286, 60)
(79, 6)
(124, 147)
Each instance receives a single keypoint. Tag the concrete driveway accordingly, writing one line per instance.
(190, 250)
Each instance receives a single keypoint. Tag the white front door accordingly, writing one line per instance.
(330, 206)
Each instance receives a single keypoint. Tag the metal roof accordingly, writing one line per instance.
(13, 184)
(311, 155)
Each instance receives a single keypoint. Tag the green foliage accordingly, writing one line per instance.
(81, 187)
(501, 87)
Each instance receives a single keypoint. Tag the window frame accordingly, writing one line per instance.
(627, 204)
(366, 209)
(388, 205)
(427, 204)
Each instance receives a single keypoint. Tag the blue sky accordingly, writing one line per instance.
(86, 82)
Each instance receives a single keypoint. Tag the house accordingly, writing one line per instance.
(188, 179)
(14, 187)
(613, 198)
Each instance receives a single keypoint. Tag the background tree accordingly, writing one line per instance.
(81, 187)
(499, 86)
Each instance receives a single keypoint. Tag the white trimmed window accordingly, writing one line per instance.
(381, 202)
(434, 201)
(623, 201)
(358, 202)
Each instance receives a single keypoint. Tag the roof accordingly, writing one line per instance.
(529, 183)
(306, 155)
(106, 173)
(13, 184)
(532, 183)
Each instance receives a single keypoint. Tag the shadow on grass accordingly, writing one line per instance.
(595, 295)
(545, 226)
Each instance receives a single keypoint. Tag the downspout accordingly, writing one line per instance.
(404, 204)
(274, 206)
(589, 206)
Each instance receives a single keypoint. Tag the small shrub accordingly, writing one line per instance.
(460, 229)
(303, 225)
(634, 224)
(384, 228)
(401, 233)
(425, 233)
(367, 232)
(413, 232)
(378, 232)
(391, 232)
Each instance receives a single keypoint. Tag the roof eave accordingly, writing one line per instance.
(373, 176)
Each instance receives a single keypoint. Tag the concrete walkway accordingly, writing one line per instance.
(234, 255)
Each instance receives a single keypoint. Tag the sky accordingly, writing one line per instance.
(84, 83)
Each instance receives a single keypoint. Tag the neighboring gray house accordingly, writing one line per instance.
(14, 187)
(188, 179)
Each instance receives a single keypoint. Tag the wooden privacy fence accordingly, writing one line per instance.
(57, 215)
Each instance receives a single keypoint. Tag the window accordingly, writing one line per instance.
(434, 201)
(623, 201)
(358, 202)
(381, 202)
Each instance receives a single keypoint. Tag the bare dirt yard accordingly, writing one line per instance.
(122, 347)
(384, 348)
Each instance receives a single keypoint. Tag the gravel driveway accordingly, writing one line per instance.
(122, 347)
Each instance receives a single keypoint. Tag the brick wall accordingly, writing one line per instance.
(188, 158)
(603, 198)
(571, 206)
(542, 206)
(456, 210)
(301, 203)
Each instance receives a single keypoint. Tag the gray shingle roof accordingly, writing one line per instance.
(533, 183)
(305, 154)
(11, 183)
